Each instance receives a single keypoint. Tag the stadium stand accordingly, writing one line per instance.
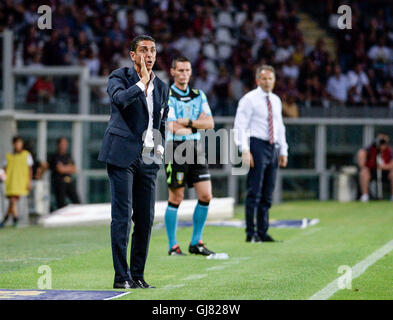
(225, 40)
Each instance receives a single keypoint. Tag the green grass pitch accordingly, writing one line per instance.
(304, 263)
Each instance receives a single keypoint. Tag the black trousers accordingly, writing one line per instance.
(260, 186)
(133, 198)
(64, 190)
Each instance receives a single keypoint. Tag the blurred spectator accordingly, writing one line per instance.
(205, 81)
(124, 59)
(18, 171)
(188, 45)
(221, 89)
(290, 108)
(283, 51)
(92, 62)
(51, 55)
(3, 176)
(377, 156)
(298, 54)
(63, 168)
(41, 91)
(39, 167)
(315, 92)
(386, 95)
(101, 91)
(70, 52)
(261, 32)
(319, 55)
(379, 54)
(358, 83)
(337, 86)
(31, 46)
(237, 89)
(211, 34)
(290, 69)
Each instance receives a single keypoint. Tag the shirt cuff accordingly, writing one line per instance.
(283, 152)
(160, 149)
(141, 85)
(244, 148)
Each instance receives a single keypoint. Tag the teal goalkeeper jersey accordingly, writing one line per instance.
(189, 104)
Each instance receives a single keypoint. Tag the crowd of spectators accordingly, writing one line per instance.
(363, 72)
(224, 39)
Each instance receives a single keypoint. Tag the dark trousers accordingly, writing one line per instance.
(260, 185)
(64, 190)
(133, 198)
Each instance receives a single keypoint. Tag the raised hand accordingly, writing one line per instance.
(144, 73)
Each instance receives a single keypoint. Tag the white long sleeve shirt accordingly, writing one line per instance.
(252, 120)
(149, 142)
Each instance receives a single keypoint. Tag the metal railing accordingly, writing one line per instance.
(317, 138)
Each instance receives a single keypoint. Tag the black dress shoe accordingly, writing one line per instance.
(140, 283)
(125, 285)
(254, 238)
(257, 238)
(268, 238)
(249, 238)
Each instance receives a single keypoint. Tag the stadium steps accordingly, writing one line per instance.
(312, 32)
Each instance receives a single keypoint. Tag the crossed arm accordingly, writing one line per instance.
(179, 126)
(65, 168)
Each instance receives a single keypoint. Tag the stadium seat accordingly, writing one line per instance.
(240, 17)
(209, 50)
(223, 35)
(224, 52)
(225, 19)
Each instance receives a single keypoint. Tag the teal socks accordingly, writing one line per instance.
(199, 219)
(171, 223)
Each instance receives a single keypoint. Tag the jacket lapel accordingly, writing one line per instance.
(156, 104)
(134, 78)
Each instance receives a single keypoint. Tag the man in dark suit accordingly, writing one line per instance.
(132, 148)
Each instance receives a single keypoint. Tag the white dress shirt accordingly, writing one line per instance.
(252, 120)
(148, 142)
(357, 80)
(338, 87)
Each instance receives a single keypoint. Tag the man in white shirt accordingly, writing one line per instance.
(338, 86)
(261, 138)
(358, 81)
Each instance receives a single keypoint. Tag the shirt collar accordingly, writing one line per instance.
(180, 92)
(264, 94)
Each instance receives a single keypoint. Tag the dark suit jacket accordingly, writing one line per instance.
(129, 117)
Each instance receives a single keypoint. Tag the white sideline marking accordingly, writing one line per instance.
(357, 270)
(173, 286)
(215, 268)
(118, 296)
(231, 263)
(19, 260)
(195, 277)
(241, 258)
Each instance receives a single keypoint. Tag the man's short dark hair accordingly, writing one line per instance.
(137, 39)
(179, 59)
(60, 140)
(16, 138)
